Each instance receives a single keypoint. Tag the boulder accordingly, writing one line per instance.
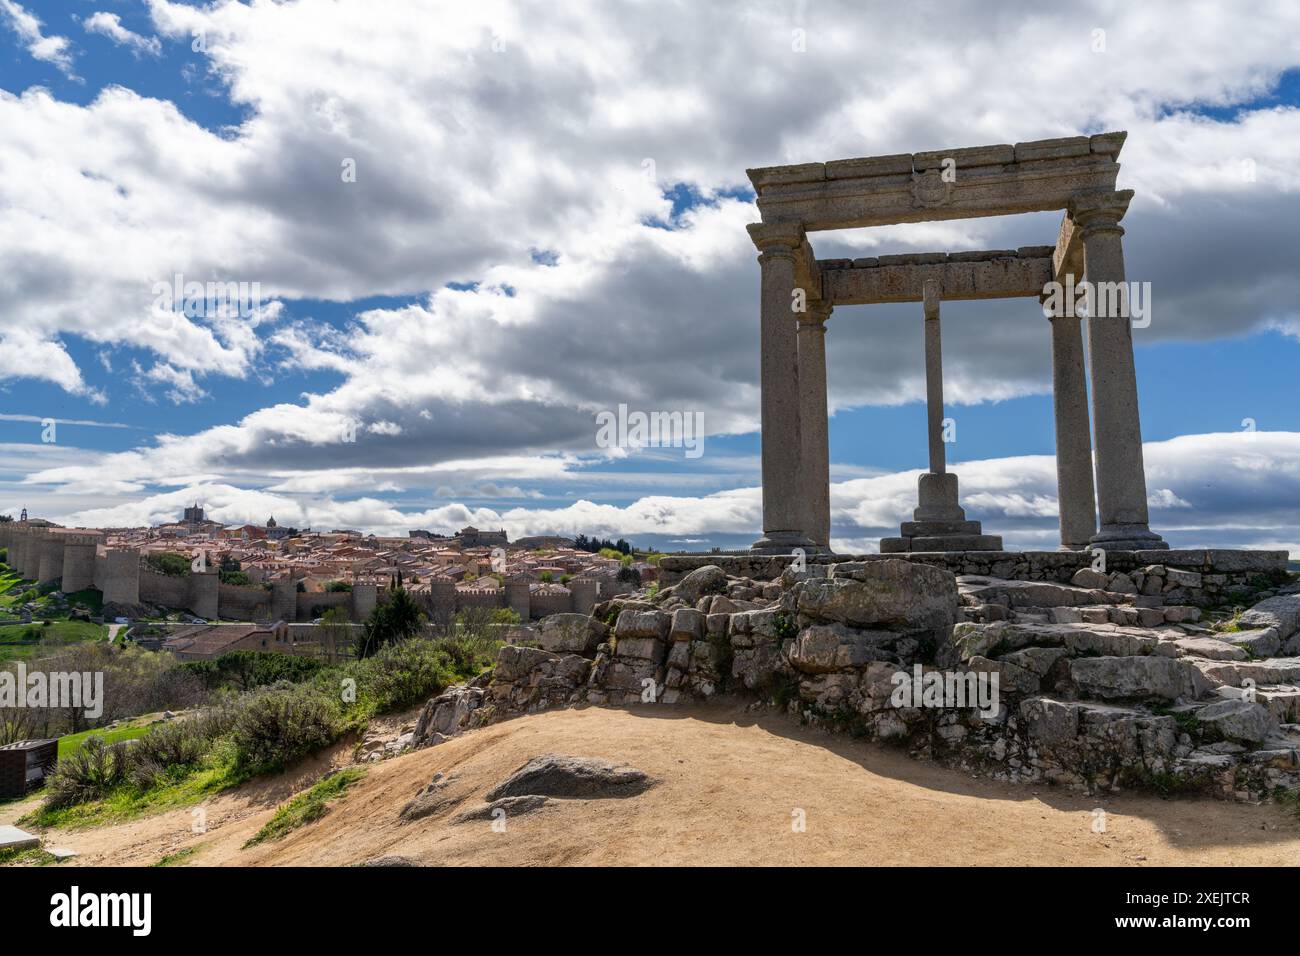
(1090, 579)
(571, 634)
(1281, 612)
(687, 625)
(1210, 648)
(1120, 678)
(709, 579)
(1239, 720)
(1049, 721)
(558, 775)
(514, 661)
(503, 809)
(434, 798)
(1262, 642)
(447, 714)
(888, 593)
(823, 648)
(1275, 670)
(642, 624)
(389, 861)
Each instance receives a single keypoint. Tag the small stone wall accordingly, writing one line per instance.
(1200, 577)
(1090, 684)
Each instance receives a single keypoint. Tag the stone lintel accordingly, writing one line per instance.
(986, 181)
(1002, 277)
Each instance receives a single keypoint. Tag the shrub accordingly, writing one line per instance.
(173, 743)
(248, 670)
(402, 674)
(89, 773)
(274, 728)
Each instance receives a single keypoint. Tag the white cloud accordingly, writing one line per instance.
(110, 25)
(48, 49)
(1215, 490)
(473, 164)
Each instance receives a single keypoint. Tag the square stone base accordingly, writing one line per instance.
(944, 542)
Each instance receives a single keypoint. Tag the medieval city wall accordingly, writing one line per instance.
(78, 558)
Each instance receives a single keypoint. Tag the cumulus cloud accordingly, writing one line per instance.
(1215, 490)
(110, 25)
(48, 49)
(514, 165)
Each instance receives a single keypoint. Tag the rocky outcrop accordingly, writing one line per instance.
(558, 775)
(1092, 680)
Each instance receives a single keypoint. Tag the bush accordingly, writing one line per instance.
(402, 674)
(248, 670)
(277, 727)
(175, 743)
(88, 774)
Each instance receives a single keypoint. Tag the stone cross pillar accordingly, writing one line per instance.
(813, 424)
(1121, 475)
(939, 522)
(937, 490)
(1074, 489)
(782, 442)
(934, 376)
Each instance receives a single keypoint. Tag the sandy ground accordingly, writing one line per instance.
(729, 787)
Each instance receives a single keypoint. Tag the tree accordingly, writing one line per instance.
(398, 619)
(169, 563)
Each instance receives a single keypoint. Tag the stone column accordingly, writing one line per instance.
(814, 424)
(934, 376)
(936, 489)
(1121, 475)
(1074, 490)
(782, 447)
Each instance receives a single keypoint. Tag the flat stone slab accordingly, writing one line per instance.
(12, 838)
(62, 853)
(941, 544)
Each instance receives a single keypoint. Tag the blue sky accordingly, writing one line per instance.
(501, 269)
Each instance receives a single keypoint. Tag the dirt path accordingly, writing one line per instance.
(729, 786)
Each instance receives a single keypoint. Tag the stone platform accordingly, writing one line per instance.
(935, 536)
(1206, 574)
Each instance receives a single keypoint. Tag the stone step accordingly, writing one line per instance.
(1275, 670)
(1036, 594)
(930, 529)
(1002, 637)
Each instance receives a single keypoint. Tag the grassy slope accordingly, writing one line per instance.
(15, 645)
(71, 743)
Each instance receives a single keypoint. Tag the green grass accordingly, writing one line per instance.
(17, 642)
(32, 856)
(215, 773)
(308, 806)
(177, 858)
(71, 743)
(22, 641)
